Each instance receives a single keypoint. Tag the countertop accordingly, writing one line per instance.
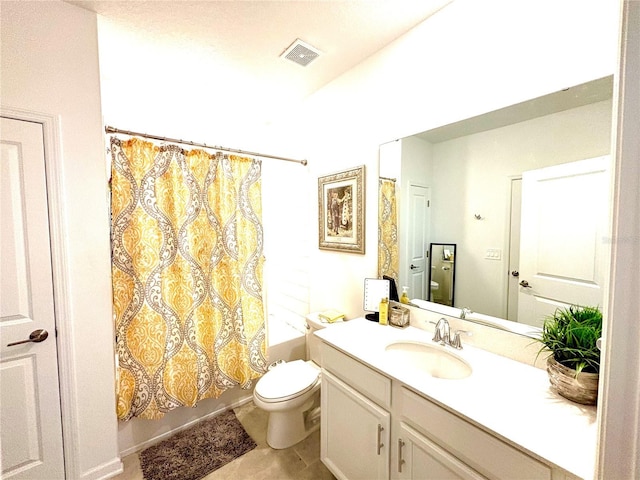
(508, 398)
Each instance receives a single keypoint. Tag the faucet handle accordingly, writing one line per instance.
(437, 335)
(456, 343)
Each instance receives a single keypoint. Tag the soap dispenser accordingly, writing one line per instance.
(383, 314)
(404, 298)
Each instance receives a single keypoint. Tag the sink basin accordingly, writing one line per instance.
(431, 359)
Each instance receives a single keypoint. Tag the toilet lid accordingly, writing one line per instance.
(287, 380)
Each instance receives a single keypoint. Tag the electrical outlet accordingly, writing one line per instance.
(493, 254)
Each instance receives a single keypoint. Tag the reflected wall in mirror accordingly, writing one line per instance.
(442, 273)
(469, 174)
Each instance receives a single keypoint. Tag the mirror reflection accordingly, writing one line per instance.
(442, 277)
(465, 180)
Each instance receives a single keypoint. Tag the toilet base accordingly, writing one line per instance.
(286, 428)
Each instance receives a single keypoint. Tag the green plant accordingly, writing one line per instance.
(571, 334)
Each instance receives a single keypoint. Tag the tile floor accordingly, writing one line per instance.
(300, 462)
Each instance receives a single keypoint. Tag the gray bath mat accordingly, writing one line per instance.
(197, 451)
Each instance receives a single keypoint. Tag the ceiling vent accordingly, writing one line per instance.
(301, 53)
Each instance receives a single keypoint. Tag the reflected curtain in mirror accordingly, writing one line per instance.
(187, 265)
(388, 261)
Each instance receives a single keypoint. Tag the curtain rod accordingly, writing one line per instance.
(109, 129)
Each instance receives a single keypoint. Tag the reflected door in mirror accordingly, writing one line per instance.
(417, 240)
(565, 216)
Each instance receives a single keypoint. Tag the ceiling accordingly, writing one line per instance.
(241, 41)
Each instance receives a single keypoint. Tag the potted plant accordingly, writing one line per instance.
(570, 334)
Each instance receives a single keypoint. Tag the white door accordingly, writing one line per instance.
(563, 247)
(31, 437)
(417, 241)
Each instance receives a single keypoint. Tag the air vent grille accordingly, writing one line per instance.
(301, 53)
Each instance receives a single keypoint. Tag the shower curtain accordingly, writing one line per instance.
(388, 261)
(187, 265)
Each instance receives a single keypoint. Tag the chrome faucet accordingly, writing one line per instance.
(464, 311)
(442, 334)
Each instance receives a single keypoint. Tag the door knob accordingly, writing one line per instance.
(36, 336)
(515, 273)
(413, 267)
(525, 284)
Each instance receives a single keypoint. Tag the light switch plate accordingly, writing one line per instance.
(493, 254)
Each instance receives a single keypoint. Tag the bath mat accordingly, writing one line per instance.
(197, 451)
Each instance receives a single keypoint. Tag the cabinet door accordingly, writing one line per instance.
(354, 433)
(421, 459)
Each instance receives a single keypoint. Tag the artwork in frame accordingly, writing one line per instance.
(341, 211)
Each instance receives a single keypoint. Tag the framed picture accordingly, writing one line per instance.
(341, 211)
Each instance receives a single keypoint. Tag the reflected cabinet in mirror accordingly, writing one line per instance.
(522, 194)
(442, 273)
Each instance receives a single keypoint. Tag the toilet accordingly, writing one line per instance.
(290, 393)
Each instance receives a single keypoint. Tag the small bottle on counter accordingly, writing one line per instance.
(404, 298)
(383, 313)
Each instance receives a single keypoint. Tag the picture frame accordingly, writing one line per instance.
(341, 220)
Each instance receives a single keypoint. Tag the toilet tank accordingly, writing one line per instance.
(312, 342)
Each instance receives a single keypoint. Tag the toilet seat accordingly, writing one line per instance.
(287, 381)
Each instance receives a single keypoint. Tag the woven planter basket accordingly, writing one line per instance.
(581, 389)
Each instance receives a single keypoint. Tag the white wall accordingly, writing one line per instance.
(285, 203)
(171, 87)
(50, 66)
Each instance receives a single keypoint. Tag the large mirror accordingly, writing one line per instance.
(465, 180)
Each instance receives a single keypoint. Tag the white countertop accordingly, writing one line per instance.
(508, 398)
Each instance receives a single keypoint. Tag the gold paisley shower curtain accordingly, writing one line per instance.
(187, 275)
(388, 261)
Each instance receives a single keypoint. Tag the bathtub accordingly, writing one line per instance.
(285, 339)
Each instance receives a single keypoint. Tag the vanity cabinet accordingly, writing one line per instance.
(374, 427)
(355, 432)
(355, 423)
(420, 458)
(451, 444)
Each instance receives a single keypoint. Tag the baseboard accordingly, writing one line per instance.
(106, 470)
(152, 441)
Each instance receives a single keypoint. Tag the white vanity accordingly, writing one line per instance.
(384, 415)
